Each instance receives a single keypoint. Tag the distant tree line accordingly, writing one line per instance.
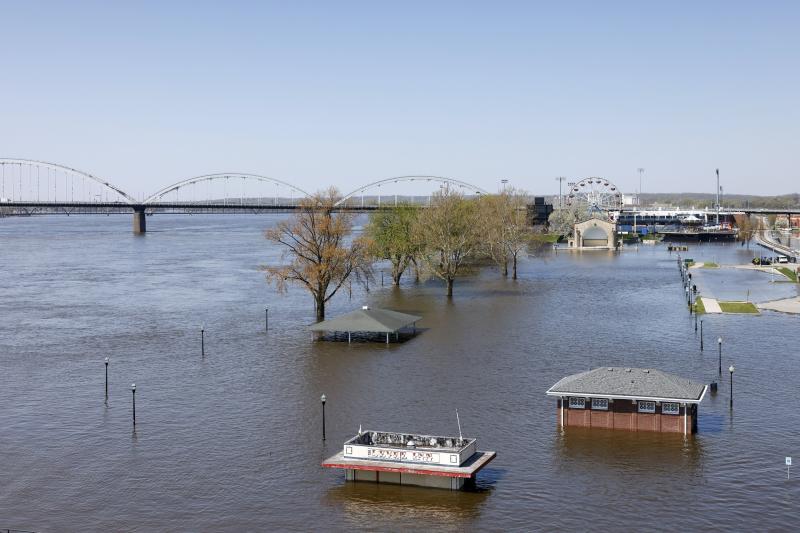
(446, 240)
(736, 201)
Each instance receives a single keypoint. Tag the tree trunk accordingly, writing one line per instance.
(449, 287)
(514, 259)
(320, 308)
(505, 266)
(397, 273)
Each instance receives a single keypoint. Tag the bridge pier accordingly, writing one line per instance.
(139, 221)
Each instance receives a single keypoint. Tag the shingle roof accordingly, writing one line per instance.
(629, 382)
(369, 320)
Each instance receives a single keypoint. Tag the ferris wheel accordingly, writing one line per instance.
(595, 195)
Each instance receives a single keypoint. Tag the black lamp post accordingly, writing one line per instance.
(323, 399)
(731, 369)
(719, 343)
(133, 392)
(701, 335)
(106, 361)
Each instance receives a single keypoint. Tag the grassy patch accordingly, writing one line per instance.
(699, 308)
(789, 273)
(738, 307)
(710, 265)
(550, 238)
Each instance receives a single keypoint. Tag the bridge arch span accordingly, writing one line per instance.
(32, 163)
(440, 179)
(208, 178)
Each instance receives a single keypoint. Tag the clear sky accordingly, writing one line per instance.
(320, 93)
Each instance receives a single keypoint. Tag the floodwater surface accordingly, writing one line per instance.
(232, 441)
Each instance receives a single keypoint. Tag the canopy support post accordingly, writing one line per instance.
(387, 338)
(348, 337)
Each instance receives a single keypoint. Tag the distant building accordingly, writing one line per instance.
(539, 211)
(595, 233)
(629, 200)
(634, 399)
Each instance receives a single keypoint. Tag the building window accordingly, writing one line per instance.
(670, 408)
(647, 407)
(600, 404)
(577, 403)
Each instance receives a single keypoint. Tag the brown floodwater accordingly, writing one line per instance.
(232, 441)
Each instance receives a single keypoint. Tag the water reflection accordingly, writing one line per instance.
(379, 505)
(608, 452)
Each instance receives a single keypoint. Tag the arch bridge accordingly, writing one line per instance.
(30, 187)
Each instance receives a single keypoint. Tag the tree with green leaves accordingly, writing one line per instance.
(390, 237)
(448, 235)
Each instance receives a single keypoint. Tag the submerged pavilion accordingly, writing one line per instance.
(366, 320)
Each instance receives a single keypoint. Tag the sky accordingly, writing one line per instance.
(145, 94)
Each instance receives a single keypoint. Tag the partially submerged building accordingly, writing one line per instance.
(410, 459)
(634, 399)
(595, 233)
(366, 320)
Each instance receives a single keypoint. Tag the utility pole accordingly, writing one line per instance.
(717, 197)
(640, 170)
(560, 195)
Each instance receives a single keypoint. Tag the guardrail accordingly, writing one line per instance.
(763, 239)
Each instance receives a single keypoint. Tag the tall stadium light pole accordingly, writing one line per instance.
(640, 170)
(560, 180)
(717, 197)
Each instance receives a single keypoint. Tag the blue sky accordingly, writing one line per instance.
(319, 93)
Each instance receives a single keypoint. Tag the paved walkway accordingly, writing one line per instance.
(711, 305)
(788, 305)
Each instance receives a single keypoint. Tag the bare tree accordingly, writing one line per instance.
(506, 234)
(448, 235)
(319, 250)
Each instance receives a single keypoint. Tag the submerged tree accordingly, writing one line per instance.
(321, 255)
(391, 237)
(506, 233)
(448, 235)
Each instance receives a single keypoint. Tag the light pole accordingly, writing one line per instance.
(560, 180)
(731, 369)
(717, 197)
(323, 399)
(640, 171)
(106, 361)
(719, 343)
(701, 335)
(133, 392)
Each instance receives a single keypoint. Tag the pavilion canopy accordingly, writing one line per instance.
(367, 320)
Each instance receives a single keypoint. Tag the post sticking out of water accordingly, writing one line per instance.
(133, 392)
(323, 399)
(106, 361)
(202, 342)
(266, 319)
(701, 335)
(460, 437)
